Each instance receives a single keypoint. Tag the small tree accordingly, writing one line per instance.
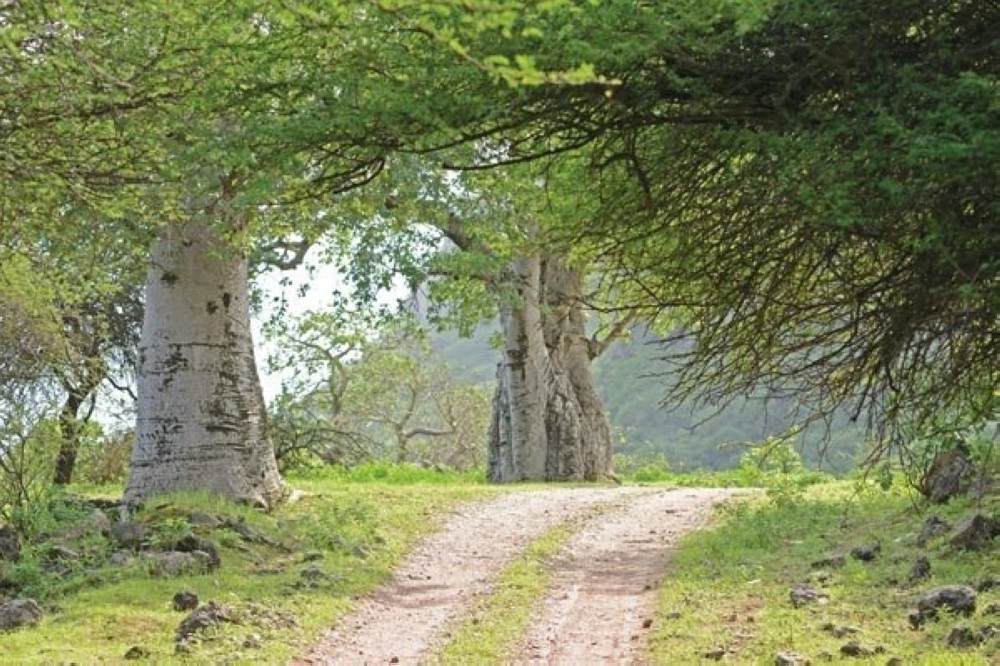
(29, 342)
(364, 386)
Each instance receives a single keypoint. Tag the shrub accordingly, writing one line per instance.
(643, 467)
(27, 465)
(104, 459)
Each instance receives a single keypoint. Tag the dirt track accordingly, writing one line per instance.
(603, 585)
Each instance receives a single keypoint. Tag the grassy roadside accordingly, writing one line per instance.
(283, 587)
(727, 595)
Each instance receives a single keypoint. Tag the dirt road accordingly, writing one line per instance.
(603, 582)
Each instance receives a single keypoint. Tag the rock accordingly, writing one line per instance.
(920, 570)
(866, 553)
(206, 520)
(251, 535)
(800, 596)
(175, 563)
(129, 536)
(962, 637)
(19, 613)
(821, 577)
(933, 528)
(894, 661)
(192, 544)
(987, 584)
(10, 544)
(948, 475)
(253, 642)
(982, 486)
(137, 652)
(312, 573)
(975, 533)
(854, 649)
(992, 609)
(312, 556)
(959, 599)
(790, 659)
(210, 615)
(312, 577)
(58, 553)
(717, 654)
(122, 558)
(97, 522)
(185, 601)
(839, 631)
(832, 562)
(267, 617)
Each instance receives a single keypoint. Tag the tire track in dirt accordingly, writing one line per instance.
(603, 591)
(405, 619)
(603, 587)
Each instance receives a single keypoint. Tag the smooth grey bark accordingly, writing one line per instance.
(548, 421)
(201, 421)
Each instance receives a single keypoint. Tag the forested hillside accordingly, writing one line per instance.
(634, 378)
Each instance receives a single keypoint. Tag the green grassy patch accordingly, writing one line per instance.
(494, 627)
(290, 580)
(727, 594)
(390, 473)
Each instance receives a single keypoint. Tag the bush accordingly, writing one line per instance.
(642, 467)
(27, 465)
(974, 436)
(104, 459)
(774, 464)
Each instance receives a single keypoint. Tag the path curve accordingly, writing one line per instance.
(624, 539)
(600, 603)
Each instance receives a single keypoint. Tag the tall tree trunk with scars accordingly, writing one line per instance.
(549, 422)
(201, 420)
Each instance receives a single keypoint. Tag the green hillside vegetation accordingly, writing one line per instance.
(633, 379)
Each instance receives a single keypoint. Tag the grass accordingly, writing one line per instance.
(339, 541)
(727, 593)
(494, 627)
(390, 473)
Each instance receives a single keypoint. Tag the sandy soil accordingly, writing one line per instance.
(597, 609)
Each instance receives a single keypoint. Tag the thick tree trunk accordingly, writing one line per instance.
(80, 384)
(201, 421)
(69, 446)
(548, 420)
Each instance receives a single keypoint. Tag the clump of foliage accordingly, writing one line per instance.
(26, 467)
(48, 528)
(104, 456)
(361, 387)
(29, 346)
(774, 464)
(966, 438)
(642, 468)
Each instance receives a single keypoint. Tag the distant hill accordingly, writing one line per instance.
(631, 380)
